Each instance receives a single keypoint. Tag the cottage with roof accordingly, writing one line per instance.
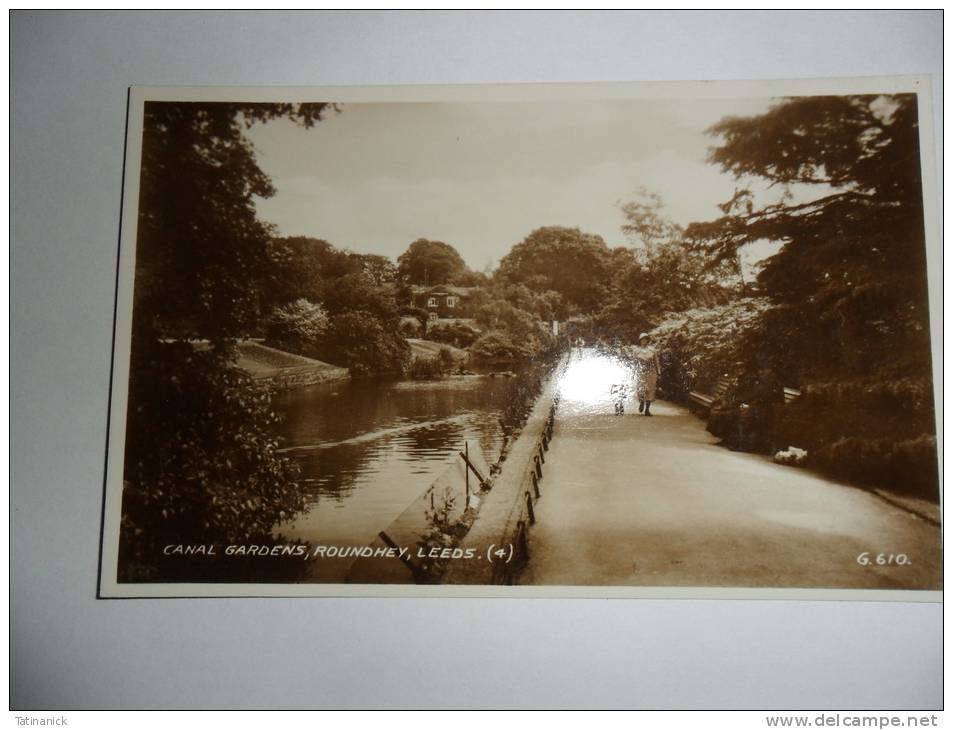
(443, 301)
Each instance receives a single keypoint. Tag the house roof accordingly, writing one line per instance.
(461, 291)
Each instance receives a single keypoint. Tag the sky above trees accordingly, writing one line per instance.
(481, 176)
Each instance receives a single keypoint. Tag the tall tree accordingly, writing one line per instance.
(645, 223)
(567, 261)
(850, 279)
(200, 463)
(660, 272)
(431, 262)
(201, 252)
(849, 319)
(296, 271)
(380, 268)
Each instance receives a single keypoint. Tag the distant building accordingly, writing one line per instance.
(444, 301)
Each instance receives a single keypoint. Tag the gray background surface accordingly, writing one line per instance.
(69, 73)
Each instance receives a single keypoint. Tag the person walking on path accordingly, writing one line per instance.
(647, 372)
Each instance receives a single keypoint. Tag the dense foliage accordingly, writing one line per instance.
(364, 343)
(202, 255)
(510, 333)
(849, 283)
(566, 261)
(431, 368)
(501, 347)
(567, 275)
(358, 325)
(458, 334)
(661, 273)
(296, 325)
(699, 346)
(200, 463)
(849, 316)
(433, 262)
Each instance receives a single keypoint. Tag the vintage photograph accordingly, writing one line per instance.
(612, 340)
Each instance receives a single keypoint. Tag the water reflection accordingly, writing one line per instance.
(368, 448)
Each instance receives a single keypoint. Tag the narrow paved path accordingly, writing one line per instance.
(635, 501)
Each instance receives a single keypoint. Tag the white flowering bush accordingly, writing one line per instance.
(698, 346)
(299, 323)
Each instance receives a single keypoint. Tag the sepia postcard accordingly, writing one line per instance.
(598, 340)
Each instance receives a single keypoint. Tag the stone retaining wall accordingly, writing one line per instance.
(290, 378)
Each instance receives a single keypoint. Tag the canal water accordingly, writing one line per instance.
(368, 448)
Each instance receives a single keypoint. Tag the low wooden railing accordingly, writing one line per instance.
(500, 534)
(513, 551)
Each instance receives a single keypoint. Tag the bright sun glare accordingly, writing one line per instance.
(590, 375)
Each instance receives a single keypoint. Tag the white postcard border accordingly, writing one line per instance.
(109, 587)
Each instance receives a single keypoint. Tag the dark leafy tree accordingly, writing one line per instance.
(849, 320)
(296, 272)
(661, 273)
(431, 262)
(645, 223)
(307, 268)
(347, 284)
(500, 347)
(200, 463)
(358, 292)
(849, 283)
(365, 343)
(470, 278)
(499, 314)
(504, 324)
(567, 261)
(333, 262)
(458, 334)
(380, 269)
(545, 305)
(201, 252)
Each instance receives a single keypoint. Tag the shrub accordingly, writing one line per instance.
(911, 397)
(421, 315)
(458, 334)
(521, 394)
(199, 464)
(358, 292)
(499, 347)
(430, 368)
(365, 344)
(427, 368)
(297, 325)
(698, 346)
(445, 358)
(410, 327)
(880, 424)
(908, 466)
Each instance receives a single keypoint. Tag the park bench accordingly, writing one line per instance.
(704, 400)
